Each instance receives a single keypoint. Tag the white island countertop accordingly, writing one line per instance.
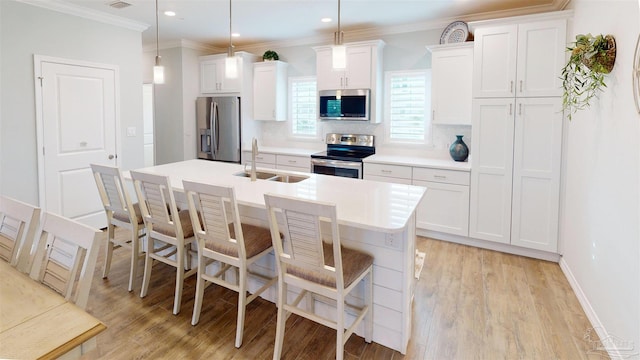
(363, 204)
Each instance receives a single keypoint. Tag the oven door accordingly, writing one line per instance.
(350, 169)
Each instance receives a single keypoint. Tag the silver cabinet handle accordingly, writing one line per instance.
(292, 161)
(510, 109)
(520, 85)
(386, 171)
(439, 176)
(519, 109)
(511, 86)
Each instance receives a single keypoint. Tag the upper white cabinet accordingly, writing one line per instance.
(363, 71)
(515, 173)
(357, 74)
(270, 91)
(451, 78)
(212, 73)
(523, 60)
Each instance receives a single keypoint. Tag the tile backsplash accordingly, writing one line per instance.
(276, 134)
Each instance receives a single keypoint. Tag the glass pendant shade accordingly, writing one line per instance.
(339, 56)
(158, 72)
(231, 67)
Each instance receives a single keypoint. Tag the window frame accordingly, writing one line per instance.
(427, 138)
(290, 121)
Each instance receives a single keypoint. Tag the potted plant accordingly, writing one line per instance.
(270, 55)
(583, 76)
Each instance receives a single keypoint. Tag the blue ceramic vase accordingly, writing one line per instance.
(459, 150)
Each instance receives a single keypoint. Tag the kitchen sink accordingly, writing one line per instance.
(259, 174)
(288, 178)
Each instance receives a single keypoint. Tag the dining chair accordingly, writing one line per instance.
(65, 257)
(122, 214)
(223, 238)
(319, 269)
(18, 223)
(169, 231)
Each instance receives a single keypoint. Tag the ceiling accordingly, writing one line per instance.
(206, 22)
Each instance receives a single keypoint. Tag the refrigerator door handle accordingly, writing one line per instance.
(217, 134)
(212, 120)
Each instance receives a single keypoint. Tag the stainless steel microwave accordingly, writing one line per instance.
(349, 104)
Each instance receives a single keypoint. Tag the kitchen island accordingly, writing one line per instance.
(375, 217)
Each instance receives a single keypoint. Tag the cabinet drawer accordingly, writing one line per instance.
(441, 176)
(387, 179)
(395, 171)
(260, 158)
(294, 161)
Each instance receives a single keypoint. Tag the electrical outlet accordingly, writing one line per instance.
(391, 240)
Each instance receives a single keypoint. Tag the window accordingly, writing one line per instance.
(303, 107)
(407, 106)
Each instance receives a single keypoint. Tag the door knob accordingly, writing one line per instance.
(111, 156)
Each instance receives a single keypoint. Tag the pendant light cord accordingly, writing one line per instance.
(230, 52)
(157, 34)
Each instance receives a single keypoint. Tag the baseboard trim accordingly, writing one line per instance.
(605, 338)
(490, 245)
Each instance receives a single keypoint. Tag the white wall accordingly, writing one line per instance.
(26, 30)
(600, 234)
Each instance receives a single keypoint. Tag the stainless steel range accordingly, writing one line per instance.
(343, 156)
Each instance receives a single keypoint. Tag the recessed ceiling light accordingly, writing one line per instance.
(170, 13)
(235, 35)
(326, 20)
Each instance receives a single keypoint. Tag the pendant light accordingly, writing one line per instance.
(231, 63)
(339, 52)
(158, 70)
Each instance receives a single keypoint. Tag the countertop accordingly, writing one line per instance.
(364, 204)
(446, 164)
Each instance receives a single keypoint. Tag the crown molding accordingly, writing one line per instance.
(184, 44)
(351, 35)
(66, 8)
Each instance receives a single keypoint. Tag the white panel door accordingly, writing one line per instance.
(78, 128)
(491, 169)
(358, 73)
(264, 94)
(541, 57)
(536, 173)
(326, 77)
(494, 64)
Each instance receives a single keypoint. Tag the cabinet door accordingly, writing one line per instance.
(209, 76)
(495, 51)
(358, 72)
(491, 169)
(451, 78)
(264, 93)
(536, 173)
(445, 208)
(541, 56)
(326, 77)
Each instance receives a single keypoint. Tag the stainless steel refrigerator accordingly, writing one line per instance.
(218, 125)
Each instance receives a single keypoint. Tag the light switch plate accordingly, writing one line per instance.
(131, 131)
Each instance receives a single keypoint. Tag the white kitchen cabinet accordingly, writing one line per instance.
(523, 60)
(270, 91)
(451, 78)
(387, 173)
(492, 169)
(444, 208)
(515, 180)
(293, 163)
(263, 160)
(357, 74)
(212, 74)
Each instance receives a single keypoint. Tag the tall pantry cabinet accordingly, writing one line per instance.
(517, 132)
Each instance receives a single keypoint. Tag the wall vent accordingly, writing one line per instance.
(119, 4)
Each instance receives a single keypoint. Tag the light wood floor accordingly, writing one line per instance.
(469, 304)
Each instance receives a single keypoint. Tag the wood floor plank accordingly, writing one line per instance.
(469, 303)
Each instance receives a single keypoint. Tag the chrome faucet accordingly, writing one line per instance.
(254, 152)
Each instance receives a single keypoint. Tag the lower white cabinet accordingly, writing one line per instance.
(445, 206)
(293, 163)
(515, 184)
(279, 161)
